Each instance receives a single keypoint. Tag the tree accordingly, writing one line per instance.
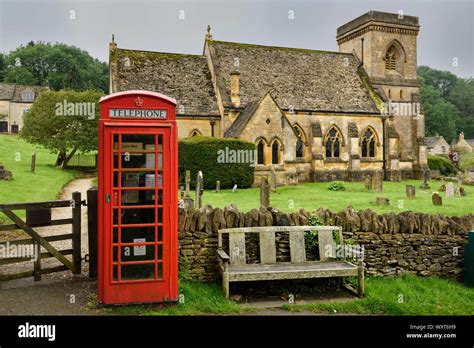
(58, 66)
(462, 96)
(64, 122)
(2, 66)
(441, 115)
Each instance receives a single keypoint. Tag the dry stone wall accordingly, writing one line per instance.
(407, 242)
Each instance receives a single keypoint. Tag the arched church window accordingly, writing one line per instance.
(195, 133)
(260, 152)
(391, 58)
(333, 143)
(275, 152)
(368, 143)
(299, 141)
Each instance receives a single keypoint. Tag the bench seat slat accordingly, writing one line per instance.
(287, 270)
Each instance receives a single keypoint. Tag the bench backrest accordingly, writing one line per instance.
(267, 245)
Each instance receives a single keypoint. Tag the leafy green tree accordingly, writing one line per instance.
(64, 122)
(441, 115)
(58, 66)
(462, 95)
(2, 66)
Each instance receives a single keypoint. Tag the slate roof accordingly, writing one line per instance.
(12, 91)
(304, 79)
(241, 121)
(183, 77)
(431, 141)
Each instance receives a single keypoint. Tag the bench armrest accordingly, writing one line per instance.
(223, 255)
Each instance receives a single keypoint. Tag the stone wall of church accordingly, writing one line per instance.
(187, 125)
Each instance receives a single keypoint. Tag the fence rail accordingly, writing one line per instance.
(38, 241)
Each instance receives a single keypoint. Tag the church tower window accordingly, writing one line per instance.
(332, 143)
(391, 58)
(368, 143)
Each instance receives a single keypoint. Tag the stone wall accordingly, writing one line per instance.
(407, 242)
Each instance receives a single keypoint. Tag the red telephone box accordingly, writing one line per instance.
(138, 194)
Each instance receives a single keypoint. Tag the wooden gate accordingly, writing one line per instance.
(39, 215)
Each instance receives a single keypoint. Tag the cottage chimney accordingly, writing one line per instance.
(235, 88)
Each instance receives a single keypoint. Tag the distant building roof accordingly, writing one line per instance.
(183, 77)
(432, 141)
(13, 92)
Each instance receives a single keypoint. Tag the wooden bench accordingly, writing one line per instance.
(233, 267)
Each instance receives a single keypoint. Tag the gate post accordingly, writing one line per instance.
(76, 232)
(92, 228)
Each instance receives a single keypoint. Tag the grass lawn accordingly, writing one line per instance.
(404, 295)
(312, 196)
(44, 184)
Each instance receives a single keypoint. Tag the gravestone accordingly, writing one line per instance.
(410, 191)
(188, 202)
(378, 182)
(5, 174)
(382, 201)
(436, 199)
(272, 180)
(442, 187)
(462, 192)
(234, 189)
(368, 182)
(199, 189)
(33, 162)
(264, 193)
(449, 189)
(426, 179)
(218, 186)
(459, 178)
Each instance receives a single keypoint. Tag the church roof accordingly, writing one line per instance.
(183, 77)
(241, 121)
(298, 79)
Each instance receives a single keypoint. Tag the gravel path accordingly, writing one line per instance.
(57, 293)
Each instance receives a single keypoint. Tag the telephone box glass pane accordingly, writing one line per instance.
(160, 233)
(131, 233)
(133, 272)
(160, 270)
(137, 216)
(137, 253)
(138, 197)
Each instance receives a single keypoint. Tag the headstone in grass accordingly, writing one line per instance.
(442, 187)
(188, 202)
(368, 182)
(426, 178)
(272, 180)
(264, 193)
(199, 189)
(378, 181)
(450, 189)
(382, 201)
(436, 198)
(234, 189)
(410, 191)
(218, 186)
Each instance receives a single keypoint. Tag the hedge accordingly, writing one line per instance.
(443, 164)
(218, 159)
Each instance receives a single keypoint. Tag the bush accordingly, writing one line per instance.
(231, 161)
(444, 165)
(466, 160)
(336, 186)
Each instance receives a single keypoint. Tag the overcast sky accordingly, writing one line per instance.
(446, 36)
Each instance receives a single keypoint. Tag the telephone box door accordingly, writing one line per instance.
(137, 215)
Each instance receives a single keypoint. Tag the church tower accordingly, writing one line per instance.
(386, 46)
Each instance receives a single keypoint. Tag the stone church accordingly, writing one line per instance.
(313, 115)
